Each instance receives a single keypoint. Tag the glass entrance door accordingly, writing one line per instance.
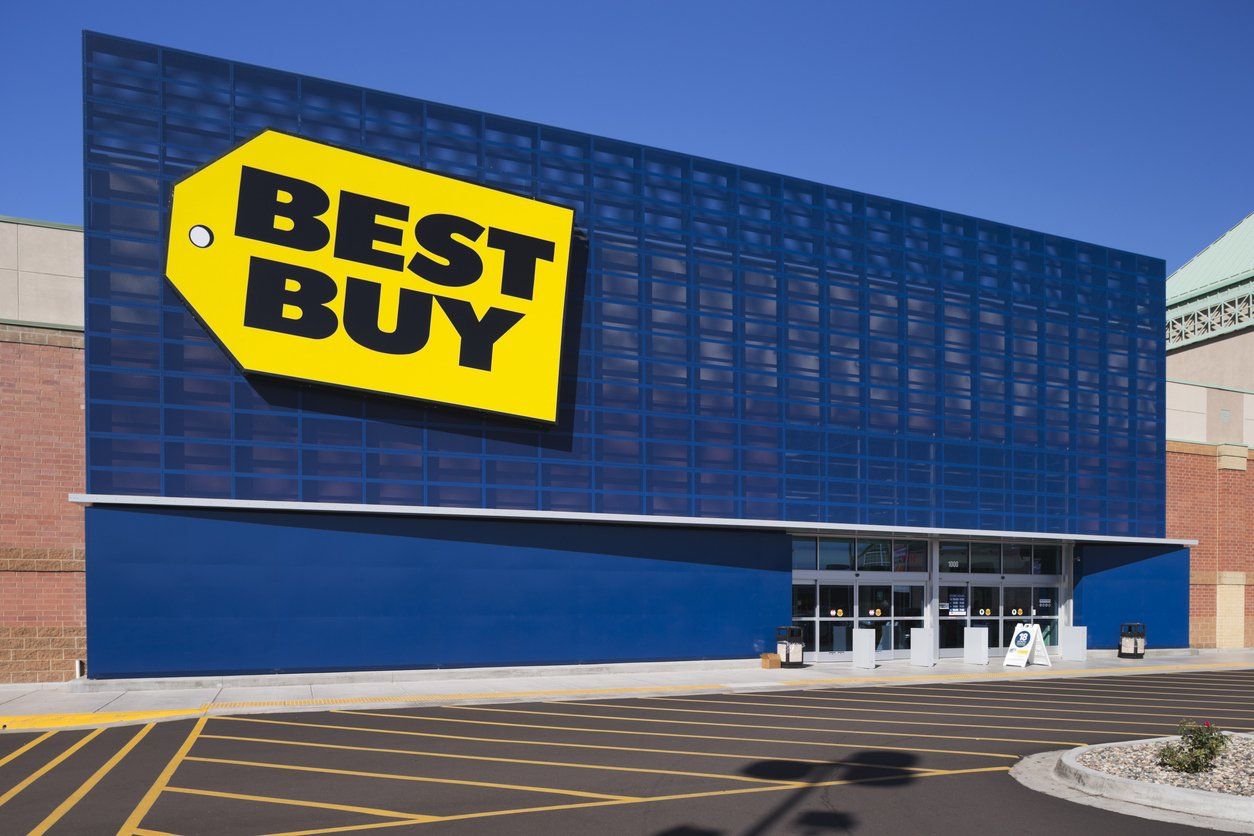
(828, 613)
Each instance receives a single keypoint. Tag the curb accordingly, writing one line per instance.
(1193, 802)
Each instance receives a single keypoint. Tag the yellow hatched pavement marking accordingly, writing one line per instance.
(639, 733)
(751, 726)
(145, 804)
(844, 708)
(650, 800)
(86, 787)
(408, 818)
(19, 722)
(913, 722)
(49, 766)
(354, 773)
(25, 747)
(566, 764)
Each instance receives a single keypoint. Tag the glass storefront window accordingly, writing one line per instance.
(984, 601)
(901, 633)
(986, 557)
(955, 557)
(1047, 560)
(909, 555)
(874, 555)
(1049, 631)
(908, 602)
(835, 636)
(835, 601)
(883, 636)
(875, 601)
(1017, 601)
(992, 627)
(803, 553)
(836, 555)
(803, 600)
(807, 634)
(1016, 560)
(1045, 601)
(951, 634)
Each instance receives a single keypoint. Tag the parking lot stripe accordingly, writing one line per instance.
(783, 728)
(408, 818)
(48, 767)
(86, 787)
(649, 800)
(927, 713)
(451, 756)
(1174, 701)
(638, 733)
(145, 804)
(25, 747)
(686, 752)
(933, 705)
(1080, 688)
(943, 694)
(420, 779)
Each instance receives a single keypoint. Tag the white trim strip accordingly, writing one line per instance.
(586, 517)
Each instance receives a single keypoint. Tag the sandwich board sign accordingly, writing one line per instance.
(1027, 647)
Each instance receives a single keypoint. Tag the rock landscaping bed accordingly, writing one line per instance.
(1232, 773)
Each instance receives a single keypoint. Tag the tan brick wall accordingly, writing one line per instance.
(1215, 506)
(42, 625)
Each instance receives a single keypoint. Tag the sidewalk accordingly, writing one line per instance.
(110, 702)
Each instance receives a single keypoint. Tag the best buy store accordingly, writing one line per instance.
(374, 382)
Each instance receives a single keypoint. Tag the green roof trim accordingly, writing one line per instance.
(1226, 262)
(49, 224)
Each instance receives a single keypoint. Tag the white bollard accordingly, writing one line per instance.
(921, 651)
(1075, 643)
(863, 648)
(975, 645)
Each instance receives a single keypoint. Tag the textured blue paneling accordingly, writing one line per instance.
(750, 345)
(175, 592)
(1120, 584)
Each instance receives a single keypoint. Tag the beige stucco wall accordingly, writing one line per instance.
(41, 274)
(1227, 362)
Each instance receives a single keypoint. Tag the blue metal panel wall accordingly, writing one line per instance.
(751, 346)
(1115, 585)
(209, 592)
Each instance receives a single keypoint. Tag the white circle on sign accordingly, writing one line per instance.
(201, 236)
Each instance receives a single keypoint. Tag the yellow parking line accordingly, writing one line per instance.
(1024, 677)
(946, 706)
(50, 765)
(687, 752)
(40, 722)
(420, 779)
(1079, 688)
(649, 800)
(753, 726)
(145, 804)
(933, 713)
(86, 787)
(407, 818)
(25, 747)
(1041, 696)
(452, 756)
(638, 733)
(1109, 693)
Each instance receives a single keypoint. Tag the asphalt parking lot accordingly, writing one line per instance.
(918, 758)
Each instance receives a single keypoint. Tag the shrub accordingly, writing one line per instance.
(1197, 750)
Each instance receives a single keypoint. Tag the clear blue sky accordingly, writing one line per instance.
(1123, 122)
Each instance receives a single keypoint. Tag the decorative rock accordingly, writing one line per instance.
(1232, 773)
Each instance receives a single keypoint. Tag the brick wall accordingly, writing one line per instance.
(42, 629)
(1214, 504)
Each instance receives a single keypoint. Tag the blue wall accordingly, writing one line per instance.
(1120, 584)
(175, 592)
(749, 345)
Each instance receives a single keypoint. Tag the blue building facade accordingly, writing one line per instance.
(759, 350)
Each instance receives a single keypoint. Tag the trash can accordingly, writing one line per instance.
(1132, 641)
(789, 646)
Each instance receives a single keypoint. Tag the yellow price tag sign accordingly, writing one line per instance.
(313, 262)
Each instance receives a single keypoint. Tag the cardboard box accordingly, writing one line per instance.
(770, 660)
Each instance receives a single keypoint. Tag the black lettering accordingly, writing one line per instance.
(435, 235)
(357, 229)
(361, 318)
(260, 206)
(268, 295)
(521, 254)
(478, 335)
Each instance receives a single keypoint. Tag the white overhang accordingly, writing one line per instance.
(618, 519)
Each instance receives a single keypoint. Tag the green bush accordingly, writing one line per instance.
(1197, 750)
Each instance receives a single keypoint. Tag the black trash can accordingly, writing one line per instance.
(789, 645)
(1132, 641)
